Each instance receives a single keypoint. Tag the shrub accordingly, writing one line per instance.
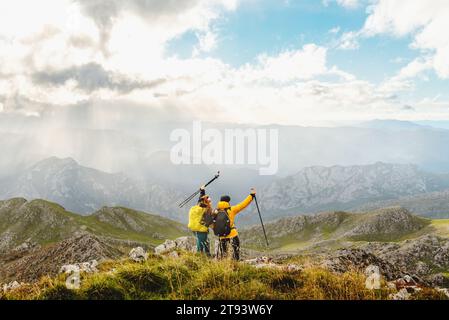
(144, 278)
(59, 292)
(101, 287)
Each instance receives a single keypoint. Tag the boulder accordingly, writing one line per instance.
(186, 243)
(183, 243)
(373, 277)
(138, 254)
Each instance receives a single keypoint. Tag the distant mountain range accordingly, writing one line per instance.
(433, 204)
(84, 190)
(136, 150)
(318, 189)
(314, 189)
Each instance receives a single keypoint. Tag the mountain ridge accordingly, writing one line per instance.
(319, 188)
(44, 222)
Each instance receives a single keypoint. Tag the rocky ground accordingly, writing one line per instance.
(29, 262)
(397, 267)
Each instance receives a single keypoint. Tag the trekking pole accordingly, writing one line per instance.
(261, 222)
(182, 204)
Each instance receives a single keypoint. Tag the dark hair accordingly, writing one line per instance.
(225, 198)
(202, 201)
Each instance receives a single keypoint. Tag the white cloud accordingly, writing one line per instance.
(46, 61)
(305, 63)
(426, 21)
(207, 41)
(349, 41)
(334, 30)
(351, 4)
(348, 4)
(124, 37)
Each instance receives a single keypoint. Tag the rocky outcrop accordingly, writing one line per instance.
(416, 257)
(47, 261)
(359, 260)
(387, 223)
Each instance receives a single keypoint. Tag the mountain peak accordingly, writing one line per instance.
(391, 125)
(56, 162)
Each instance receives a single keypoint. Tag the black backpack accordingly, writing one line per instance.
(222, 223)
(208, 218)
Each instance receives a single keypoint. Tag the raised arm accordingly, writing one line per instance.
(202, 193)
(242, 205)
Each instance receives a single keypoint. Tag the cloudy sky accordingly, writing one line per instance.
(300, 62)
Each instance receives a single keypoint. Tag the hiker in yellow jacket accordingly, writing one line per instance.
(233, 237)
(196, 213)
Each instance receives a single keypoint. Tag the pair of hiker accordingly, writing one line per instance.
(222, 220)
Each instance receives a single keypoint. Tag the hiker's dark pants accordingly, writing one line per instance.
(235, 243)
(202, 242)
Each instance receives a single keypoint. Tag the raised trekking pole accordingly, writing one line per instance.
(182, 204)
(261, 222)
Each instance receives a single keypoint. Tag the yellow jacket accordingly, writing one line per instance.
(232, 212)
(195, 217)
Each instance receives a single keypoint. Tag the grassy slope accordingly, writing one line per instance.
(196, 277)
(441, 227)
(150, 224)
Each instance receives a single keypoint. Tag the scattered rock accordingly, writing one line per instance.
(89, 267)
(436, 280)
(293, 268)
(258, 260)
(26, 246)
(422, 268)
(138, 254)
(402, 294)
(267, 262)
(11, 286)
(262, 262)
(443, 290)
(391, 285)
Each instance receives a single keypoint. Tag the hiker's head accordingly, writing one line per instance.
(225, 199)
(205, 201)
